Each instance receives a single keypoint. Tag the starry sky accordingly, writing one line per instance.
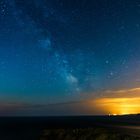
(65, 53)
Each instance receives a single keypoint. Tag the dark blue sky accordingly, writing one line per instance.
(55, 51)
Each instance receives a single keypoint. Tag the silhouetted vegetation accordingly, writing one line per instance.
(84, 134)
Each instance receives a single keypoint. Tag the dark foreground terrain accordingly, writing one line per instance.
(85, 134)
(70, 128)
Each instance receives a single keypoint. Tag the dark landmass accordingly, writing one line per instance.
(70, 128)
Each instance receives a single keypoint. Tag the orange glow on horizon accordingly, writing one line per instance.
(118, 106)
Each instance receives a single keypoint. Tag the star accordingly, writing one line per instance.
(107, 62)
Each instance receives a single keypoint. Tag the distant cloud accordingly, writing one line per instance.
(132, 92)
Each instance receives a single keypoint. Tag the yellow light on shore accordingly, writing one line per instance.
(114, 114)
(119, 106)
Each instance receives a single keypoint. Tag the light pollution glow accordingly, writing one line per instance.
(118, 106)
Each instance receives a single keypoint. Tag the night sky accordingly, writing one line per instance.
(58, 55)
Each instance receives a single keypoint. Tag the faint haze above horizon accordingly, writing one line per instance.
(72, 57)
